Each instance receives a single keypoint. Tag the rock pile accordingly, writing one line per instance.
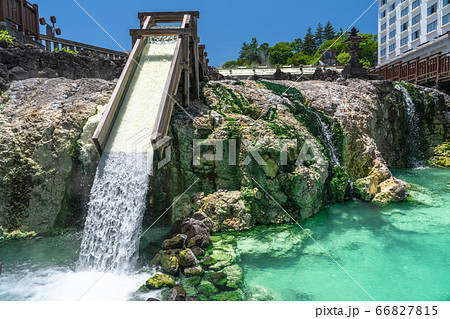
(25, 61)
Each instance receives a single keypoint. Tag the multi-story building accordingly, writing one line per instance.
(408, 29)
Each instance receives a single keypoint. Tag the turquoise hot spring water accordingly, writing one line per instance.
(395, 251)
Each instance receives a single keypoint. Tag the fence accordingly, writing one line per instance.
(20, 15)
(431, 69)
(52, 43)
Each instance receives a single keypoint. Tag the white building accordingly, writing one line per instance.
(408, 29)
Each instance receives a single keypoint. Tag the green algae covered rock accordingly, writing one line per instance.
(170, 264)
(441, 156)
(338, 184)
(234, 276)
(159, 281)
(219, 279)
(207, 288)
(235, 295)
(193, 271)
(191, 281)
(187, 258)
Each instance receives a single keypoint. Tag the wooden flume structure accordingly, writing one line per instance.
(189, 66)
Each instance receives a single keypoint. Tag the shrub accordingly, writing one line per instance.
(66, 50)
(4, 35)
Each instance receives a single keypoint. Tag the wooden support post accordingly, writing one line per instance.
(196, 74)
(186, 70)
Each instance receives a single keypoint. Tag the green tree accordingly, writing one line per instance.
(249, 53)
(343, 58)
(297, 45)
(309, 43)
(369, 50)
(319, 35)
(329, 32)
(300, 59)
(280, 53)
(231, 64)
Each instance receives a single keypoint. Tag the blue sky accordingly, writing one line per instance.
(223, 25)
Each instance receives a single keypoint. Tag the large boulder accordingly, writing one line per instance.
(177, 241)
(159, 281)
(196, 228)
(187, 258)
(176, 294)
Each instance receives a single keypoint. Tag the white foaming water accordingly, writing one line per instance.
(63, 284)
(117, 202)
(328, 141)
(412, 127)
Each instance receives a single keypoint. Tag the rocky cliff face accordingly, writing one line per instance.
(20, 62)
(367, 121)
(249, 152)
(40, 123)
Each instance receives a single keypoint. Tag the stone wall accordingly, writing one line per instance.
(24, 61)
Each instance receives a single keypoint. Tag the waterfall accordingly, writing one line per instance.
(328, 139)
(412, 127)
(118, 196)
(116, 208)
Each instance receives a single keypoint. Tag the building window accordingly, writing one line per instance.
(432, 26)
(383, 26)
(432, 9)
(405, 11)
(415, 4)
(415, 35)
(383, 52)
(404, 26)
(392, 47)
(392, 7)
(382, 3)
(383, 40)
(446, 19)
(445, 2)
(404, 41)
(392, 20)
(392, 34)
(383, 14)
(416, 19)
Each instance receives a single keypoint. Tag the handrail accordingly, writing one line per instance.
(78, 46)
(107, 121)
(434, 68)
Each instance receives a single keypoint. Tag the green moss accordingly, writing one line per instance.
(413, 92)
(191, 281)
(235, 295)
(4, 35)
(66, 50)
(159, 280)
(74, 149)
(441, 156)
(207, 288)
(338, 184)
(239, 83)
(233, 128)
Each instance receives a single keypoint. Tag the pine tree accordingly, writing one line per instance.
(329, 33)
(249, 53)
(297, 45)
(319, 35)
(309, 43)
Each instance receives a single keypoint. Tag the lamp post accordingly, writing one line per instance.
(51, 29)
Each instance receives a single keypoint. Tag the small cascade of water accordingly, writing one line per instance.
(116, 208)
(118, 196)
(328, 139)
(412, 128)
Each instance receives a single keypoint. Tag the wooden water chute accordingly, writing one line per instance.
(185, 69)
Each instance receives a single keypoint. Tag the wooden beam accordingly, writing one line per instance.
(168, 17)
(159, 32)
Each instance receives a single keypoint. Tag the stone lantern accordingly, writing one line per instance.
(354, 69)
